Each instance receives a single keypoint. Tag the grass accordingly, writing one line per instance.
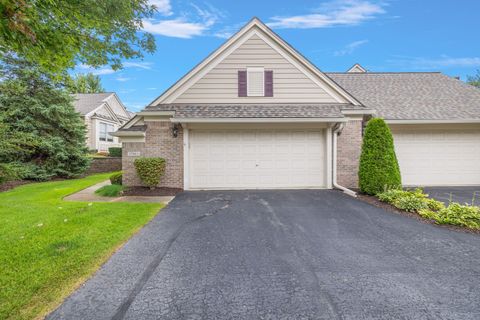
(49, 246)
(111, 190)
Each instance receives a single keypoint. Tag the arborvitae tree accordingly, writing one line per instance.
(42, 134)
(378, 163)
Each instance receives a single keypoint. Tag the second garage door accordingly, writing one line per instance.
(438, 156)
(253, 159)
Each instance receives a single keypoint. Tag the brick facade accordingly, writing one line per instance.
(159, 142)
(349, 147)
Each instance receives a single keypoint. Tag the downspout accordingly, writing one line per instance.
(336, 130)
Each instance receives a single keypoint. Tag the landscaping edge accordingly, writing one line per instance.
(386, 206)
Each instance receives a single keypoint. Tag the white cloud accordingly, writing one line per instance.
(187, 25)
(139, 65)
(334, 13)
(350, 48)
(163, 7)
(178, 28)
(96, 71)
(437, 63)
(122, 79)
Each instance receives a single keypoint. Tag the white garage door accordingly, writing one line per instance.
(438, 156)
(251, 159)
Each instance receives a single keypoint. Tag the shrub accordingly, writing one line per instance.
(150, 170)
(115, 151)
(455, 214)
(378, 163)
(112, 190)
(410, 202)
(390, 196)
(434, 205)
(116, 178)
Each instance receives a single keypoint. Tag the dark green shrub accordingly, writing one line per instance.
(116, 178)
(150, 170)
(115, 151)
(379, 168)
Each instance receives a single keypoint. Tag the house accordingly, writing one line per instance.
(257, 114)
(103, 114)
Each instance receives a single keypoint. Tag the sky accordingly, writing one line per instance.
(387, 35)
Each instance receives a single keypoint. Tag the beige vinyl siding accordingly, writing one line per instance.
(220, 85)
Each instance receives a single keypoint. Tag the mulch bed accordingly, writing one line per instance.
(374, 201)
(144, 191)
(13, 184)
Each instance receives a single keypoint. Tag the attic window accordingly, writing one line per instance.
(255, 82)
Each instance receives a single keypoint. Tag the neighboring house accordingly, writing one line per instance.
(103, 114)
(257, 114)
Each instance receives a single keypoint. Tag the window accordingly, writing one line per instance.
(255, 82)
(104, 131)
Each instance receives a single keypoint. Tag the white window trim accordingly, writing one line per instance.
(256, 70)
(108, 137)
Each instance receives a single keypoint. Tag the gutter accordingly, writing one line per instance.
(336, 130)
(257, 120)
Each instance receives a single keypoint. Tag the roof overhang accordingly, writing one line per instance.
(128, 134)
(359, 111)
(257, 120)
(429, 121)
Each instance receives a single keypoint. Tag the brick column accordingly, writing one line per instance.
(349, 147)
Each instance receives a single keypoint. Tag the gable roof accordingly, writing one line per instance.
(87, 102)
(357, 68)
(413, 95)
(255, 26)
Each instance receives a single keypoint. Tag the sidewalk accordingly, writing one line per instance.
(88, 195)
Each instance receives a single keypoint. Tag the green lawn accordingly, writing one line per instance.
(49, 246)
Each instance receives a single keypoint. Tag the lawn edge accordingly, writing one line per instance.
(54, 305)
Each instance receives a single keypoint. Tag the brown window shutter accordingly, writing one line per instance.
(268, 83)
(242, 83)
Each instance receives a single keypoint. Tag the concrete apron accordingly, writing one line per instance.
(88, 195)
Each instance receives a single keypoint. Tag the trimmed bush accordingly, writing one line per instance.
(116, 178)
(150, 170)
(115, 151)
(379, 168)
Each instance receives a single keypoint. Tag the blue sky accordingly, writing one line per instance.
(389, 35)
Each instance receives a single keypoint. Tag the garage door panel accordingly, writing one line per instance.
(438, 157)
(257, 158)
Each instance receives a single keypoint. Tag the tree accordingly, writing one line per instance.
(85, 83)
(378, 163)
(42, 135)
(474, 80)
(57, 34)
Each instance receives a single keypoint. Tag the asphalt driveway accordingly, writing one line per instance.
(304, 254)
(461, 195)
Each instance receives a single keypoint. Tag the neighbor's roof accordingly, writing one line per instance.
(253, 110)
(412, 96)
(87, 102)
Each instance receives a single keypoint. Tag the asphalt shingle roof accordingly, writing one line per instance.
(252, 110)
(407, 96)
(87, 102)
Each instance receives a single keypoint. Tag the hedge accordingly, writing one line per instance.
(116, 178)
(115, 151)
(379, 168)
(150, 170)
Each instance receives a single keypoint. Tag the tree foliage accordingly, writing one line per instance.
(378, 163)
(474, 80)
(57, 34)
(41, 134)
(85, 83)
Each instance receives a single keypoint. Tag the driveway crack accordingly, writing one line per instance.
(147, 274)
